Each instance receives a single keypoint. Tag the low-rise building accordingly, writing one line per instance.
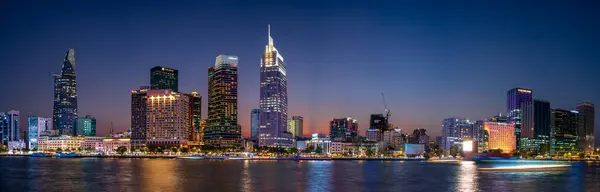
(64, 142)
(110, 145)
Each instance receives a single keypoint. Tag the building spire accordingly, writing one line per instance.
(269, 34)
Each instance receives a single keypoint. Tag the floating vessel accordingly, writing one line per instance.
(557, 167)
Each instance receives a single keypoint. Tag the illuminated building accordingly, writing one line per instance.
(85, 126)
(501, 136)
(393, 138)
(167, 118)
(195, 116)
(110, 145)
(254, 114)
(296, 126)
(273, 99)
(373, 135)
(38, 126)
(164, 78)
(565, 127)
(222, 128)
(586, 109)
(93, 144)
(10, 126)
(64, 142)
(419, 136)
(345, 129)
(138, 117)
(454, 129)
(541, 128)
(515, 98)
(65, 96)
(480, 136)
(379, 122)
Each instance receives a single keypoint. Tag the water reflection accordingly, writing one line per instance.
(319, 175)
(158, 175)
(246, 178)
(467, 176)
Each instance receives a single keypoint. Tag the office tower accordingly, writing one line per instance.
(393, 138)
(195, 115)
(344, 129)
(138, 117)
(586, 109)
(373, 135)
(65, 96)
(10, 127)
(164, 78)
(167, 118)
(202, 128)
(480, 136)
(254, 114)
(222, 128)
(452, 131)
(515, 98)
(565, 127)
(273, 99)
(296, 126)
(542, 115)
(85, 126)
(501, 136)
(379, 122)
(37, 126)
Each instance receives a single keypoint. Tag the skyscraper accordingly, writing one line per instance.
(344, 129)
(542, 115)
(138, 117)
(85, 126)
(379, 122)
(452, 131)
(296, 126)
(65, 96)
(164, 78)
(273, 99)
(515, 98)
(167, 118)
(586, 109)
(37, 126)
(195, 115)
(254, 114)
(565, 126)
(501, 136)
(10, 126)
(222, 128)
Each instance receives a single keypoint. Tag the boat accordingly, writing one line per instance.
(39, 154)
(65, 155)
(555, 167)
(192, 157)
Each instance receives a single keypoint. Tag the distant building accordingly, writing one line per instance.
(167, 118)
(85, 126)
(65, 96)
(419, 136)
(517, 97)
(373, 135)
(393, 138)
(480, 136)
(542, 119)
(501, 136)
(110, 145)
(586, 109)
(38, 126)
(254, 114)
(164, 78)
(296, 126)
(345, 129)
(10, 126)
(454, 129)
(63, 142)
(438, 141)
(565, 125)
(222, 128)
(195, 116)
(379, 122)
(138, 117)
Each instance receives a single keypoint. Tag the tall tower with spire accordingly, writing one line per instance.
(273, 99)
(65, 96)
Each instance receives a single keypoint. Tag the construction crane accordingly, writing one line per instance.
(387, 111)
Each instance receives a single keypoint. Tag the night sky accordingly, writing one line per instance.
(431, 60)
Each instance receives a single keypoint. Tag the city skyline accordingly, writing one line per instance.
(419, 94)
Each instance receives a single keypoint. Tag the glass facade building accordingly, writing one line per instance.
(164, 78)
(38, 126)
(222, 129)
(85, 126)
(565, 126)
(65, 96)
(138, 117)
(586, 109)
(9, 124)
(296, 126)
(273, 99)
(344, 130)
(254, 114)
(515, 98)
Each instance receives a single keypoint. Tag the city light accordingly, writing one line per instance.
(467, 146)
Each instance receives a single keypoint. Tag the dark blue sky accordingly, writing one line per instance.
(432, 60)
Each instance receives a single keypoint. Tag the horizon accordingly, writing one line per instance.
(454, 62)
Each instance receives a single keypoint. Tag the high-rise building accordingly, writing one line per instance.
(515, 98)
(254, 114)
(565, 127)
(85, 126)
(167, 118)
(195, 115)
(542, 116)
(501, 136)
(37, 126)
(296, 126)
(480, 136)
(379, 122)
(138, 117)
(344, 129)
(222, 128)
(393, 138)
(10, 126)
(65, 96)
(586, 109)
(373, 135)
(452, 131)
(164, 78)
(273, 99)
(419, 136)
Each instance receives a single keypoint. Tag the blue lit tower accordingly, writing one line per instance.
(273, 99)
(254, 115)
(515, 98)
(65, 96)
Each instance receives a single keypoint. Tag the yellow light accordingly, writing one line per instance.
(524, 90)
(467, 146)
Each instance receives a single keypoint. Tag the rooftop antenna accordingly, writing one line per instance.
(112, 130)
